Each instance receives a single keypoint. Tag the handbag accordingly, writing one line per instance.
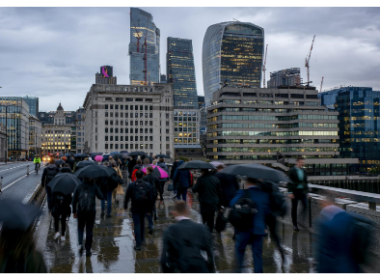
(221, 222)
(170, 187)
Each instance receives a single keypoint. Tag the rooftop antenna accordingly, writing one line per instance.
(236, 19)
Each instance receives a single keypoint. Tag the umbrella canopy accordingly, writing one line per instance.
(162, 156)
(124, 154)
(68, 155)
(64, 183)
(116, 155)
(85, 163)
(257, 171)
(95, 171)
(15, 215)
(80, 155)
(137, 153)
(196, 164)
(98, 158)
(59, 162)
(158, 172)
(217, 163)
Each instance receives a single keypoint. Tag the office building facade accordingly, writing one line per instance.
(359, 123)
(35, 132)
(144, 49)
(232, 53)
(201, 101)
(105, 76)
(261, 125)
(132, 118)
(285, 77)
(33, 103)
(163, 79)
(17, 121)
(79, 130)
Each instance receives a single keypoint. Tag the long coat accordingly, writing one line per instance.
(210, 193)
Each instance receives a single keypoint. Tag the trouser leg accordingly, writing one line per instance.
(90, 220)
(63, 224)
(257, 253)
(242, 240)
(137, 228)
(294, 210)
(81, 225)
(109, 202)
(161, 190)
(150, 220)
(142, 226)
(184, 194)
(208, 219)
(56, 223)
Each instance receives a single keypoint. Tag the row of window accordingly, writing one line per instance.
(272, 133)
(275, 141)
(116, 122)
(269, 125)
(129, 138)
(136, 130)
(131, 115)
(271, 150)
(266, 110)
(185, 140)
(131, 146)
(122, 107)
(194, 119)
(184, 124)
(269, 102)
(272, 118)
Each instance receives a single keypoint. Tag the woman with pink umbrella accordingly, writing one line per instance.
(98, 158)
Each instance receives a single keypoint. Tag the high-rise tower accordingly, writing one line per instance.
(232, 53)
(144, 49)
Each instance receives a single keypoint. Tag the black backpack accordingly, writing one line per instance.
(278, 204)
(86, 200)
(58, 204)
(50, 174)
(242, 213)
(362, 234)
(141, 192)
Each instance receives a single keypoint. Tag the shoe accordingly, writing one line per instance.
(109, 216)
(57, 235)
(137, 248)
(296, 228)
(88, 253)
(102, 213)
(81, 249)
(63, 238)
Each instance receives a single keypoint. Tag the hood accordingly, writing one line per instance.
(180, 162)
(51, 166)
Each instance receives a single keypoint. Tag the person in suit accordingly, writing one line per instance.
(153, 181)
(209, 196)
(255, 234)
(182, 181)
(183, 243)
(298, 190)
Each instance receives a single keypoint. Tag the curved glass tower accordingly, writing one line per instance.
(143, 27)
(232, 52)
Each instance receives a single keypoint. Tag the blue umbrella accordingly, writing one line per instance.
(116, 155)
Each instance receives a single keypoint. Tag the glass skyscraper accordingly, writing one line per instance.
(142, 69)
(33, 103)
(232, 52)
(359, 123)
(181, 72)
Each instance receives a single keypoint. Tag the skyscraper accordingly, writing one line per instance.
(144, 49)
(232, 52)
(181, 72)
(105, 76)
(163, 79)
(33, 103)
(286, 77)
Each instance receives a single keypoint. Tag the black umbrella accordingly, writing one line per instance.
(64, 183)
(137, 153)
(95, 171)
(80, 155)
(116, 155)
(85, 163)
(15, 215)
(59, 162)
(257, 171)
(196, 164)
(162, 156)
(124, 154)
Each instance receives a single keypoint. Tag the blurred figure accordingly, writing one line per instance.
(84, 208)
(71, 161)
(174, 168)
(155, 160)
(183, 243)
(111, 160)
(298, 190)
(47, 175)
(153, 181)
(141, 195)
(65, 169)
(137, 167)
(335, 241)
(255, 234)
(229, 186)
(131, 165)
(146, 161)
(161, 163)
(107, 186)
(119, 183)
(60, 211)
(181, 182)
(209, 196)
(37, 162)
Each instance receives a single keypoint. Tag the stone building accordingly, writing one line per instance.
(3, 142)
(131, 118)
(35, 130)
(271, 126)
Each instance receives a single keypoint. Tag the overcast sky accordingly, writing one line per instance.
(54, 53)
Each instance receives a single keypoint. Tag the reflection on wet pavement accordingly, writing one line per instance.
(114, 240)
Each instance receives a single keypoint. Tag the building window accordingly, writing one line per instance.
(106, 122)
(106, 114)
(111, 107)
(106, 138)
(106, 146)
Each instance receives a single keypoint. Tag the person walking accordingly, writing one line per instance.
(182, 181)
(183, 244)
(47, 175)
(84, 209)
(161, 163)
(137, 167)
(153, 181)
(107, 186)
(111, 160)
(119, 180)
(209, 196)
(173, 169)
(141, 195)
(65, 169)
(60, 211)
(131, 165)
(229, 186)
(254, 235)
(155, 160)
(298, 190)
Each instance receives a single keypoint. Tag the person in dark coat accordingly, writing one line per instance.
(139, 209)
(181, 181)
(71, 161)
(47, 175)
(60, 211)
(255, 234)
(209, 196)
(229, 186)
(172, 171)
(153, 181)
(131, 165)
(85, 219)
(106, 185)
(183, 243)
(65, 169)
(298, 190)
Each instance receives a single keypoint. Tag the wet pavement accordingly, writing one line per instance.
(114, 240)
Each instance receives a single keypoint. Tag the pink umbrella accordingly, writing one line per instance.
(98, 158)
(157, 172)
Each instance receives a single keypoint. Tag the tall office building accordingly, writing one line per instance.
(33, 103)
(232, 52)
(201, 101)
(163, 79)
(144, 49)
(181, 72)
(285, 77)
(359, 123)
(105, 77)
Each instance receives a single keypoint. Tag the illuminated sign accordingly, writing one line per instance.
(105, 72)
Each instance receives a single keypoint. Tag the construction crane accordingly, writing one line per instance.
(137, 33)
(265, 61)
(320, 90)
(307, 59)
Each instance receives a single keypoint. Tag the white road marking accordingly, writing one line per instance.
(3, 189)
(12, 168)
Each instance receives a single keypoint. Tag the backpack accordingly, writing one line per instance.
(278, 204)
(242, 213)
(362, 234)
(86, 200)
(58, 204)
(50, 174)
(141, 192)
